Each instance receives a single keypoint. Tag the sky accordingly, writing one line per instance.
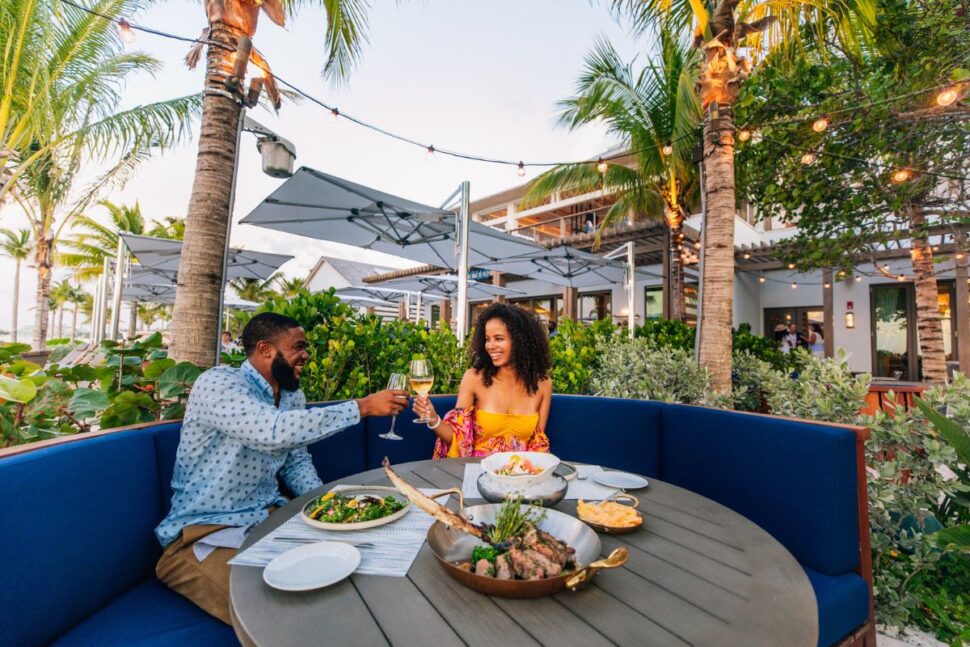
(479, 77)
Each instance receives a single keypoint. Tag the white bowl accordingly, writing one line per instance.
(495, 462)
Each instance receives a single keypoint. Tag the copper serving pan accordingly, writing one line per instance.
(452, 548)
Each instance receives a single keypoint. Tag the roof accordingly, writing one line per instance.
(353, 271)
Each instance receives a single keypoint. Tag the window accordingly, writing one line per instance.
(653, 301)
(595, 306)
(547, 308)
(435, 315)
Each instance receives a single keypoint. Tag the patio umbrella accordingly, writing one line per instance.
(365, 302)
(325, 207)
(162, 255)
(446, 285)
(563, 266)
(166, 294)
(395, 295)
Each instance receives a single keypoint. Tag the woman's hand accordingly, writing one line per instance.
(425, 410)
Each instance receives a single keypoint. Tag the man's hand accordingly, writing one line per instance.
(388, 402)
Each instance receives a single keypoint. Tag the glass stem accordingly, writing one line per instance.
(393, 420)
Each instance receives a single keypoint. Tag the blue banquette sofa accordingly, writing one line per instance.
(78, 514)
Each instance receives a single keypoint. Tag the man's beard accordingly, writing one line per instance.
(284, 374)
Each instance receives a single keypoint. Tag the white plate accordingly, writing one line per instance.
(370, 490)
(622, 480)
(312, 566)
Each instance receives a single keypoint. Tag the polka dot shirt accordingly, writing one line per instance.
(233, 444)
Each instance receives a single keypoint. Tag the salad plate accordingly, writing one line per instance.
(355, 508)
(312, 566)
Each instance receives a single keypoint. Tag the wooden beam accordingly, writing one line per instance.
(570, 303)
(828, 313)
(498, 279)
(446, 312)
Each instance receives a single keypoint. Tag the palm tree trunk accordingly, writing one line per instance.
(928, 321)
(195, 317)
(74, 323)
(677, 309)
(43, 257)
(717, 309)
(60, 321)
(16, 302)
(133, 320)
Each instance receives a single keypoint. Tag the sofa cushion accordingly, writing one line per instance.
(418, 443)
(150, 614)
(77, 524)
(797, 480)
(622, 434)
(341, 453)
(166, 445)
(843, 604)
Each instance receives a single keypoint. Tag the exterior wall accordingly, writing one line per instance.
(327, 277)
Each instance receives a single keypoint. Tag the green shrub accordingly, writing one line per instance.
(752, 380)
(640, 370)
(575, 355)
(823, 390)
(763, 348)
(664, 333)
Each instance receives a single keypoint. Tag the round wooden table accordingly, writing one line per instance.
(698, 574)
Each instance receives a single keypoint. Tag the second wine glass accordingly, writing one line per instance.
(422, 379)
(397, 381)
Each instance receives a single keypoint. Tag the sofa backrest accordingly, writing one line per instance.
(622, 434)
(77, 522)
(795, 479)
(166, 445)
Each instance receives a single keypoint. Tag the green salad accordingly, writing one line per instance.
(335, 508)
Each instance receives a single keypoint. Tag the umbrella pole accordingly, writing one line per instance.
(103, 306)
(417, 313)
(116, 296)
(631, 295)
(461, 235)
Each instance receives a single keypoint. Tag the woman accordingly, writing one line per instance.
(503, 401)
(816, 342)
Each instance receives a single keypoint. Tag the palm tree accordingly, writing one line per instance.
(93, 241)
(720, 27)
(288, 287)
(16, 245)
(63, 76)
(195, 318)
(648, 111)
(254, 290)
(61, 294)
(77, 298)
(170, 227)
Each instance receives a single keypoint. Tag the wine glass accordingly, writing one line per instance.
(422, 379)
(400, 382)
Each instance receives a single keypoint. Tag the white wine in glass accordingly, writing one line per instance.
(396, 381)
(421, 380)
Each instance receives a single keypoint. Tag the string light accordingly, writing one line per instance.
(334, 114)
(761, 279)
(947, 97)
(744, 135)
(820, 125)
(747, 256)
(430, 153)
(900, 278)
(858, 278)
(697, 245)
(125, 32)
(808, 158)
(826, 285)
(901, 175)
(667, 150)
(521, 171)
(791, 266)
(602, 166)
(959, 257)
(794, 286)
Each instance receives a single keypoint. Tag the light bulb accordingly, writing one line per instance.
(901, 175)
(820, 125)
(761, 279)
(126, 32)
(744, 135)
(900, 278)
(791, 266)
(334, 113)
(936, 248)
(959, 257)
(947, 97)
(430, 153)
(521, 171)
(747, 256)
(602, 166)
(808, 158)
(794, 286)
(826, 285)
(667, 150)
(858, 279)
(697, 245)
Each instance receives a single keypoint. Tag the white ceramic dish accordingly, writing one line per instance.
(312, 566)
(495, 462)
(622, 480)
(375, 491)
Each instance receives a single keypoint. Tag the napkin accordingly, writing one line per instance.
(226, 538)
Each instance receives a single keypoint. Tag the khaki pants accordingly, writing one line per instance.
(205, 583)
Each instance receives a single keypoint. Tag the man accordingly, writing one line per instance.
(228, 345)
(793, 339)
(242, 428)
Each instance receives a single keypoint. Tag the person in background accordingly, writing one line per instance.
(552, 328)
(228, 345)
(816, 342)
(794, 339)
(504, 399)
(243, 428)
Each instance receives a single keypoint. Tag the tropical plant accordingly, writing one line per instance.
(170, 227)
(255, 290)
(77, 298)
(195, 318)
(720, 28)
(655, 114)
(640, 370)
(288, 287)
(16, 245)
(63, 73)
(575, 357)
(61, 294)
(92, 241)
(862, 193)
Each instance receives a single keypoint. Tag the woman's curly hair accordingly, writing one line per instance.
(530, 345)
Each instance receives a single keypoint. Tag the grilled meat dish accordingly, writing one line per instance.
(534, 555)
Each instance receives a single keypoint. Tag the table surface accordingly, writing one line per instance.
(698, 574)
